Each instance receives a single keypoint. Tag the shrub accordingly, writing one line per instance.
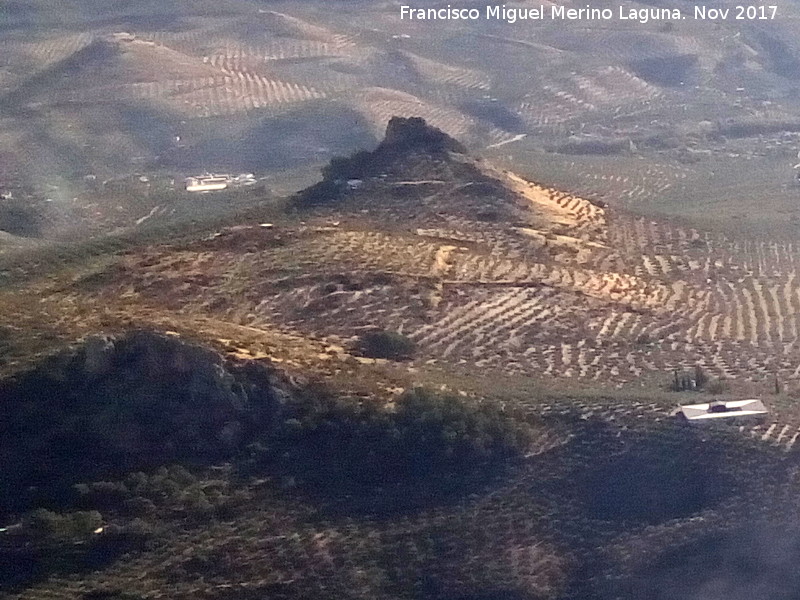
(386, 344)
(700, 377)
(46, 524)
(718, 386)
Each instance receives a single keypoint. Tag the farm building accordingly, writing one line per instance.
(210, 182)
(720, 410)
(207, 183)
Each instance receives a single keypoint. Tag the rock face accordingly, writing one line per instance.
(409, 148)
(414, 134)
(119, 403)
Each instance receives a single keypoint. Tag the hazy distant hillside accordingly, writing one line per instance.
(658, 116)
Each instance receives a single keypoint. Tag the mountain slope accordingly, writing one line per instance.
(257, 447)
(480, 267)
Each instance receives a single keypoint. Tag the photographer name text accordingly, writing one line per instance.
(502, 13)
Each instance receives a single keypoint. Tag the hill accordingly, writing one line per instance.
(478, 267)
(422, 376)
(664, 118)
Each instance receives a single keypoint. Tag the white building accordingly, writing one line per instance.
(718, 409)
(207, 183)
(211, 182)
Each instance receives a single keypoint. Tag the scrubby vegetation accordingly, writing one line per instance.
(172, 489)
(77, 425)
(85, 490)
(48, 543)
(351, 167)
(340, 443)
(324, 493)
(386, 344)
(118, 405)
(48, 524)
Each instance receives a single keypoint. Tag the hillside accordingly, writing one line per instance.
(423, 376)
(434, 352)
(481, 267)
(684, 118)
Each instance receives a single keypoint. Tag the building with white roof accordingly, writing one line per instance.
(718, 409)
(207, 183)
(212, 182)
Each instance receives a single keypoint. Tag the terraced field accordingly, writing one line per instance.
(658, 119)
(576, 97)
(500, 274)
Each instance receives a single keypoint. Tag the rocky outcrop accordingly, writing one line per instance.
(415, 135)
(113, 404)
(410, 148)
